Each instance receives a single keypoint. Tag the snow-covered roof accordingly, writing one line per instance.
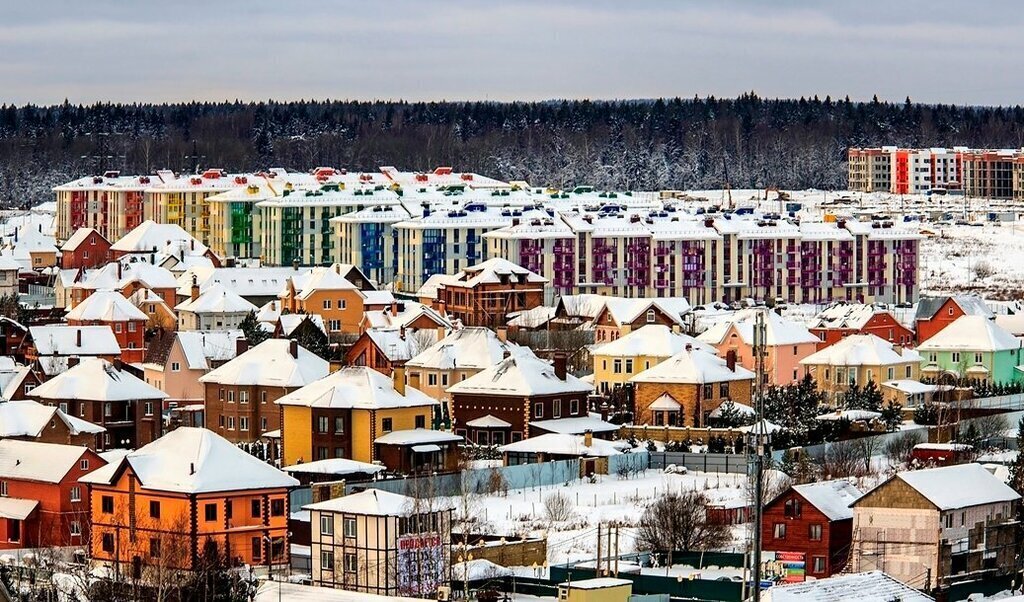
(851, 415)
(872, 586)
(28, 418)
(910, 386)
(475, 347)
(34, 461)
(971, 305)
(851, 316)
(274, 591)
(371, 502)
(741, 408)
(117, 275)
(333, 466)
(778, 330)
(958, 486)
(478, 569)
(763, 427)
(532, 318)
(652, 340)
(106, 306)
(77, 238)
(96, 379)
(521, 374)
(666, 403)
(417, 437)
(832, 498)
(66, 340)
(626, 310)
(217, 299)
(8, 263)
(17, 508)
(971, 333)
(202, 348)
(289, 322)
(271, 364)
(263, 281)
(408, 312)
(597, 583)
(576, 425)
(585, 305)
(494, 271)
(488, 422)
(195, 460)
(395, 343)
(566, 445)
(149, 235)
(693, 366)
(861, 350)
(320, 278)
(355, 387)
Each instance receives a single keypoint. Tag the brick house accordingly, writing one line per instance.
(812, 521)
(483, 294)
(86, 248)
(127, 322)
(456, 357)
(327, 291)
(107, 394)
(41, 502)
(30, 420)
(517, 390)
(384, 349)
(622, 315)
(786, 343)
(843, 319)
(935, 313)
(53, 349)
(686, 388)
(240, 395)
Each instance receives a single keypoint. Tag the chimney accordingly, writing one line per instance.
(560, 361)
(506, 354)
(295, 264)
(401, 332)
(898, 349)
(241, 346)
(192, 244)
(398, 377)
(689, 347)
(394, 308)
(337, 268)
(293, 348)
(604, 410)
(78, 338)
(588, 438)
(502, 334)
(195, 287)
(442, 332)
(730, 360)
(152, 256)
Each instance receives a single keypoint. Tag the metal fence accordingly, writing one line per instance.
(729, 463)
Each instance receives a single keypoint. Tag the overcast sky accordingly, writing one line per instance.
(145, 50)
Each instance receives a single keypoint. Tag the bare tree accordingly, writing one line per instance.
(898, 449)
(678, 522)
(557, 508)
(839, 460)
(865, 448)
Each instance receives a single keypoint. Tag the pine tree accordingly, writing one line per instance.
(892, 416)
(253, 330)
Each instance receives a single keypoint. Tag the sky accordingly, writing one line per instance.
(150, 51)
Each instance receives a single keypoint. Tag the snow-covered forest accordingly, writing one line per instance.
(639, 144)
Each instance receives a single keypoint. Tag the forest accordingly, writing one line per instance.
(675, 143)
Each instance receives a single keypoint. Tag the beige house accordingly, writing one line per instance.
(381, 543)
(859, 359)
(931, 527)
(455, 358)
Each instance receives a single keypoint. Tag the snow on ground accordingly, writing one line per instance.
(610, 500)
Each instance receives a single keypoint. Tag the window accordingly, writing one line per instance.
(814, 532)
(444, 380)
(243, 397)
(117, 327)
(76, 529)
(949, 520)
(950, 311)
(231, 396)
(257, 549)
(723, 390)
(538, 411)
(780, 531)
(908, 371)
(432, 380)
(792, 508)
(334, 325)
(709, 391)
(255, 508)
(3, 488)
(327, 560)
(277, 507)
(574, 406)
(350, 527)
(263, 397)
(386, 425)
(107, 504)
(322, 424)
(339, 452)
(154, 547)
(421, 421)
(955, 357)
(84, 464)
(977, 358)
(131, 326)
(326, 524)
(818, 564)
(210, 512)
(327, 303)
(231, 423)
(351, 564)
(891, 373)
(339, 425)
(556, 412)
(76, 494)
(148, 408)
(228, 510)
(107, 543)
(243, 423)
(651, 316)
(617, 366)
(107, 409)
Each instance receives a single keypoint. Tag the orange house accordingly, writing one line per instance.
(326, 291)
(162, 505)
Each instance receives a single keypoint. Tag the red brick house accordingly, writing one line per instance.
(935, 313)
(42, 503)
(841, 320)
(483, 294)
(812, 522)
(86, 248)
(127, 322)
(384, 349)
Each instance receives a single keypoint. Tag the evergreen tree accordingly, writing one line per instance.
(892, 416)
(253, 331)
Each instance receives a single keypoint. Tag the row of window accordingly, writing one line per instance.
(243, 396)
(228, 422)
(209, 510)
(556, 411)
(813, 531)
(350, 562)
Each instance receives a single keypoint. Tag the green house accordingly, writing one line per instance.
(972, 348)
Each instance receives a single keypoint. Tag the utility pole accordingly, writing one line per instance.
(195, 157)
(101, 153)
(757, 444)
(597, 566)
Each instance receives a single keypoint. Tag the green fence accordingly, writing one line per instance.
(696, 589)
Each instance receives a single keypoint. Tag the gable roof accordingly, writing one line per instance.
(852, 316)
(396, 345)
(625, 310)
(96, 379)
(34, 461)
(271, 364)
(80, 236)
(149, 235)
(872, 586)
(194, 460)
(566, 445)
(971, 305)
(778, 330)
(493, 271)
(692, 366)
(372, 502)
(356, 387)
(520, 374)
(203, 347)
(654, 340)
(831, 498)
(971, 333)
(28, 418)
(861, 350)
(955, 487)
(320, 278)
(64, 340)
(474, 347)
(106, 306)
(217, 299)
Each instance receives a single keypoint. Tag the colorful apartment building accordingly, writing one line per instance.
(162, 504)
(111, 204)
(870, 169)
